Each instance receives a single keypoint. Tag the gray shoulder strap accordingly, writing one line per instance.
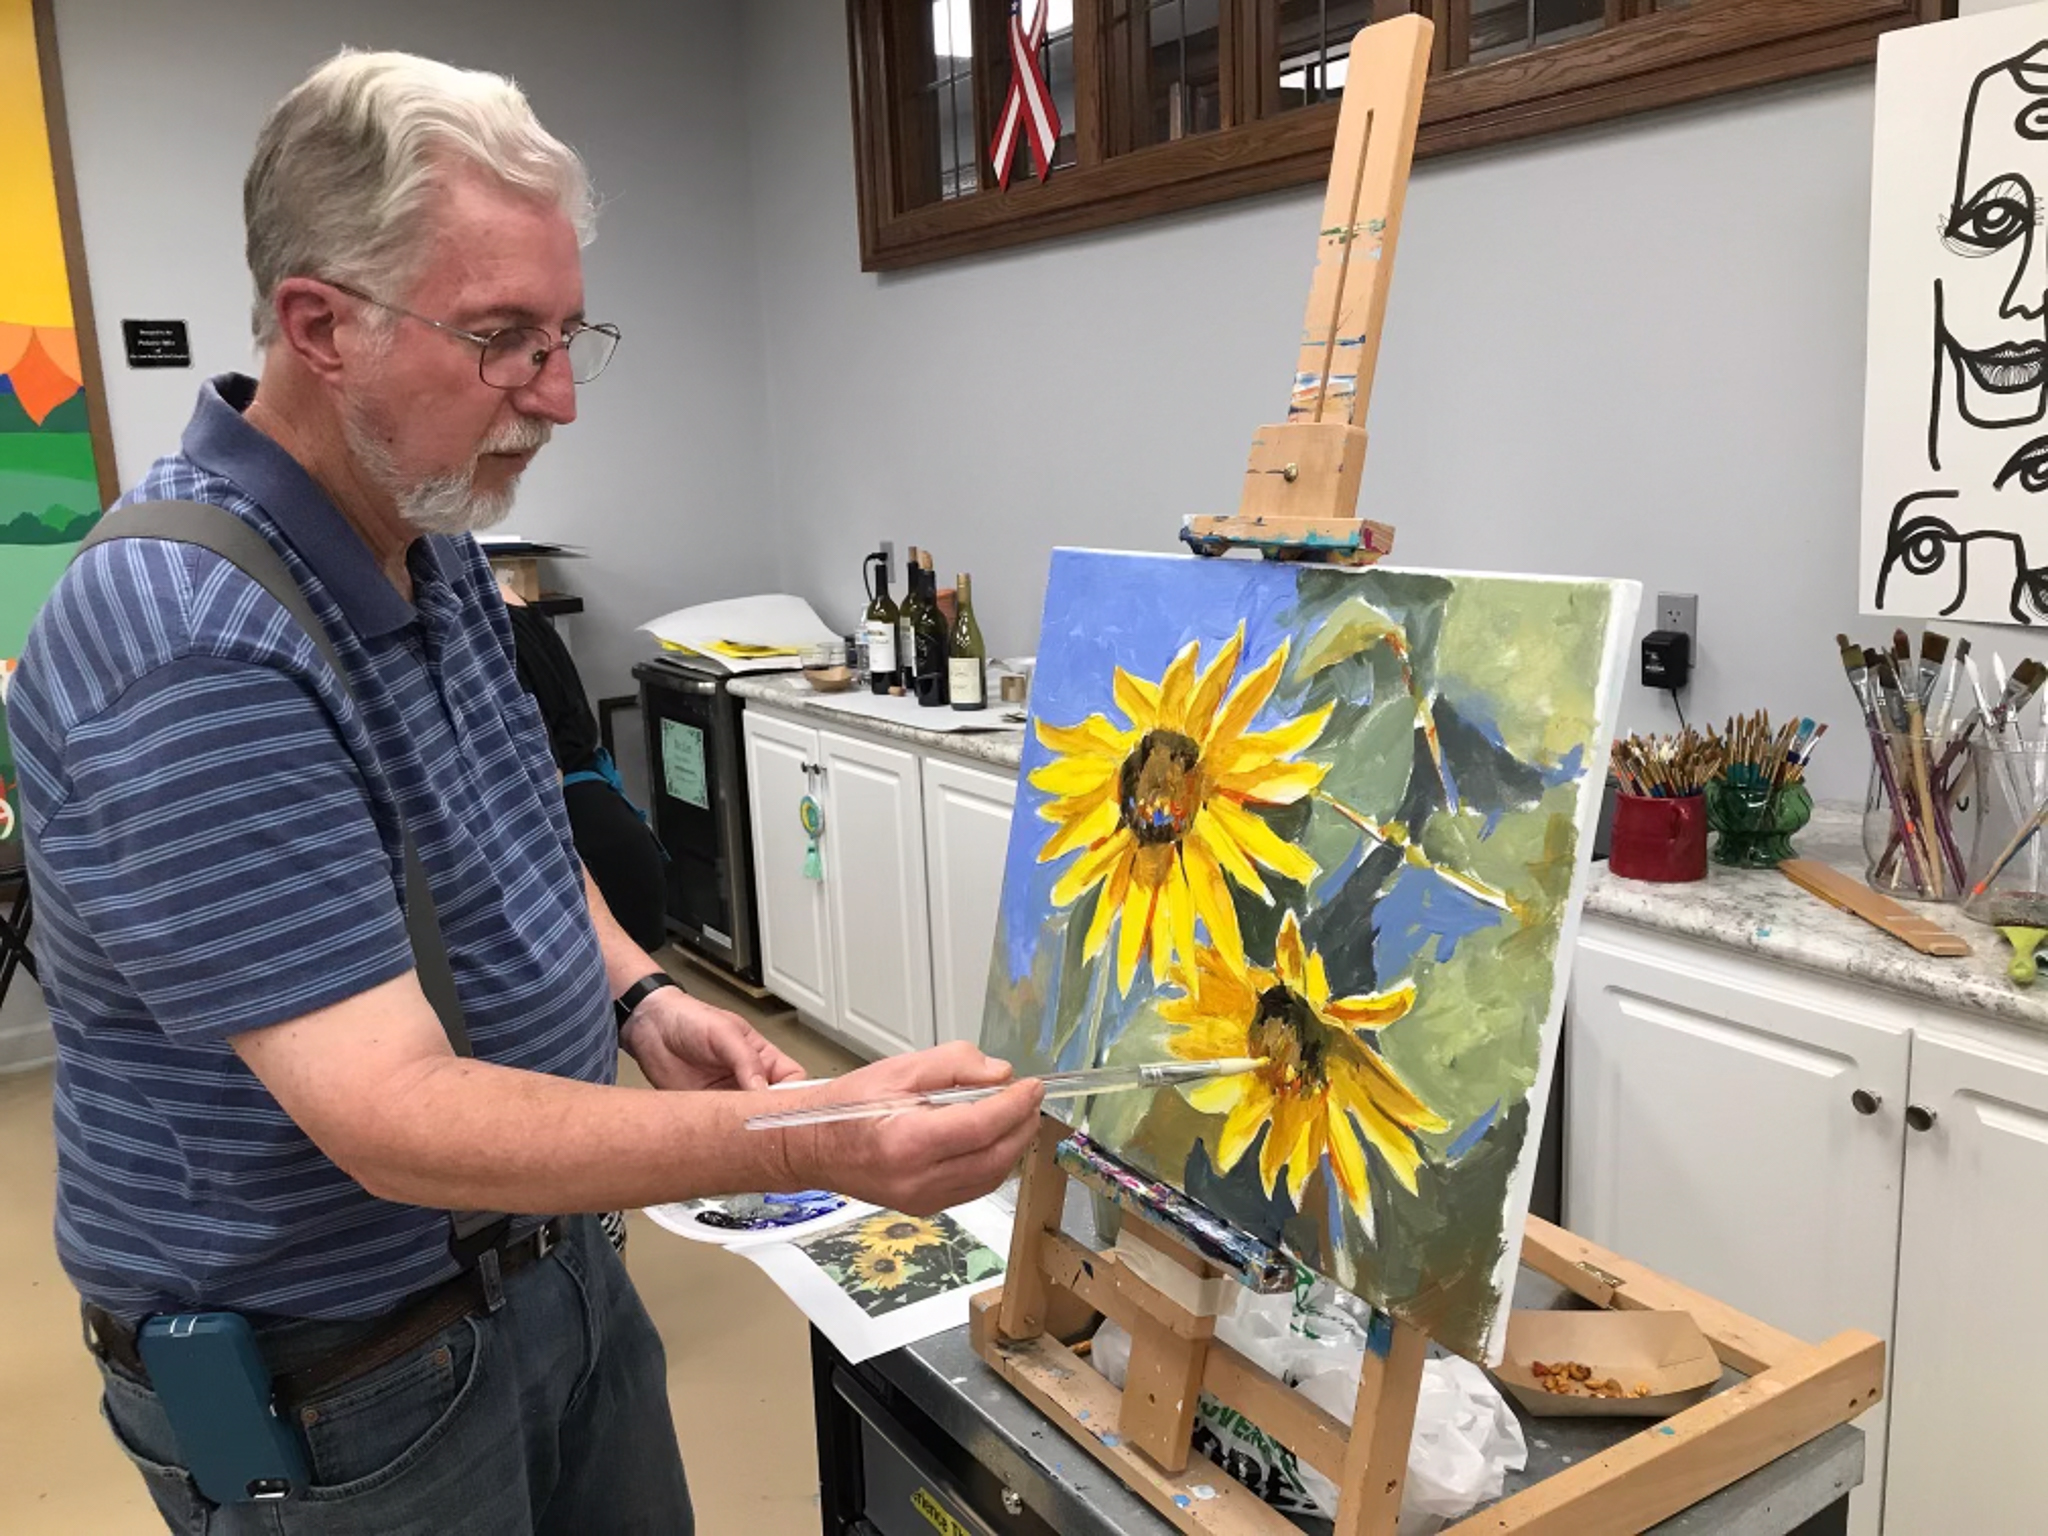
(216, 529)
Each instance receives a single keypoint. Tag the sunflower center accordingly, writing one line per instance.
(1286, 1031)
(1159, 787)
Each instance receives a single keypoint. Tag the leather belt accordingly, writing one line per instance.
(476, 1290)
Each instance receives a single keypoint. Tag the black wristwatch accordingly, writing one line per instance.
(638, 993)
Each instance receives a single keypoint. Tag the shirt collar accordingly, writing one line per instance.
(219, 439)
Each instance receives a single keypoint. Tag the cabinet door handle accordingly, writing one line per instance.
(1866, 1102)
(1920, 1117)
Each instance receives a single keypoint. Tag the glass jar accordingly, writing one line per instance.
(1754, 823)
(1919, 816)
(2008, 855)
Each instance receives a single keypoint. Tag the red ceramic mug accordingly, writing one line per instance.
(1659, 839)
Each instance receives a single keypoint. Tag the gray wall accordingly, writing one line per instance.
(658, 476)
(1634, 351)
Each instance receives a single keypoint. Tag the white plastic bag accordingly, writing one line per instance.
(1466, 1439)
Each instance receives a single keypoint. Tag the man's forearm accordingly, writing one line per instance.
(466, 1135)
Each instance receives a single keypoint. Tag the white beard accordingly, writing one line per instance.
(446, 503)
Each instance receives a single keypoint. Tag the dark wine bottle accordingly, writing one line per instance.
(966, 656)
(928, 656)
(906, 622)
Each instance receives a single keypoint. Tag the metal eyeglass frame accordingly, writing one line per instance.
(483, 340)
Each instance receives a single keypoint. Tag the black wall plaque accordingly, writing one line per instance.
(156, 343)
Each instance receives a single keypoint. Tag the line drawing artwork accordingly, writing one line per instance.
(1955, 492)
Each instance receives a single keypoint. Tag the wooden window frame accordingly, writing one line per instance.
(1660, 60)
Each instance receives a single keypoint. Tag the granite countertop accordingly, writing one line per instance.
(1764, 913)
(1002, 746)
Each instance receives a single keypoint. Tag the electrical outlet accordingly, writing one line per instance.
(1680, 612)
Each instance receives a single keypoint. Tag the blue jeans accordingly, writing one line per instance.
(550, 1415)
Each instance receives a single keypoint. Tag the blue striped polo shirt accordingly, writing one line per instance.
(213, 838)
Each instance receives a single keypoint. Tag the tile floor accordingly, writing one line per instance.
(738, 1354)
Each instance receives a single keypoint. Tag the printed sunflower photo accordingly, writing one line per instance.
(1335, 821)
(889, 1260)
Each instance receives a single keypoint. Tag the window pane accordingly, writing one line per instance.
(1314, 38)
(948, 111)
(1162, 70)
(1500, 27)
(1556, 20)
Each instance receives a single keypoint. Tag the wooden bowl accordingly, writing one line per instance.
(829, 679)
(1663, 1351)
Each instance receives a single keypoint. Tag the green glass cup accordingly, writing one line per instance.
(1754, 823)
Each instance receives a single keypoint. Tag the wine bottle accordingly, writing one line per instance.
(880, 624)
(906, 622)
(928, 658)
(966, 657)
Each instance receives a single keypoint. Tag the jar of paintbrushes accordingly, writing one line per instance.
(1660, 816)
(1922, 712)
(2008, 883)
(1758, 797)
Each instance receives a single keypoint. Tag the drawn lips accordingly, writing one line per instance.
(2030, 464)
(2009, 368)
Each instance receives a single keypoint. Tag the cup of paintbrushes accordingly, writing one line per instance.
(1916, 817)
(1754, 819)
(2008, 863)
(1659, 839)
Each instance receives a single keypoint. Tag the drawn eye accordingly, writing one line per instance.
(1991, 220)
(1923, 545)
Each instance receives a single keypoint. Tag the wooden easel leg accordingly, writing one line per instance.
(1040, 1199)
(1376, 1457)
(1162, 1386)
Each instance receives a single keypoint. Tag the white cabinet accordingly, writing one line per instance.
(1972, 1348)
(874, 833)
(1717, 1132)
(967, 839)
(890, 949)
(795, 921)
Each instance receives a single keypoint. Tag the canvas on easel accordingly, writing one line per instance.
(1338, 819)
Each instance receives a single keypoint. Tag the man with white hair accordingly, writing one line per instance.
(260, 1115)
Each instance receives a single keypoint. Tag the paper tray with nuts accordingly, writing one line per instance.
(1641, 1364)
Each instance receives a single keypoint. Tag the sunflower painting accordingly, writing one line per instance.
(1336, 821)
(891, 1260)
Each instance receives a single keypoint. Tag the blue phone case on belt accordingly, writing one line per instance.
(210, 1377)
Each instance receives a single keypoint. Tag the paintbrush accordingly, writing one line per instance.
(1946, 692)
(1058, 1085)
(1916, 744)
(1933, 656)
(1860, 663)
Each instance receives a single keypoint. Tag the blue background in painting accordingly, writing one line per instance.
(1104, 611)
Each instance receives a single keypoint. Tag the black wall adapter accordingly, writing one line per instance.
(1667, 659)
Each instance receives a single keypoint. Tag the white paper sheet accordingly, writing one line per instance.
(773, 618)
(860, 1331)
(1955, 435)
(907, 711)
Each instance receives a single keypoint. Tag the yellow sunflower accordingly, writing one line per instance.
(880, 1271)
(893, 1232)
(1323, 1088)
(1160, 810)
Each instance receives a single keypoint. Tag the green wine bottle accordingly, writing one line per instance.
(906, 621)
(880, 624)
(966, 656)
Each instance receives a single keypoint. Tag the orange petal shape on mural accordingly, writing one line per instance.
(60, 343)
(41, 384)
(14, 340)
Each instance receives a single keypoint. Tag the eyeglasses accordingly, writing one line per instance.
(512, 358)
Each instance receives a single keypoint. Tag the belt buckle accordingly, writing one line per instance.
(493, 1281)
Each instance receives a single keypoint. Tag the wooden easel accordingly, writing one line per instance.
(1300, 499)
(1300, 503)
(1795, 1392)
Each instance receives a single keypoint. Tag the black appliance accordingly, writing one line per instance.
(697, 783)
